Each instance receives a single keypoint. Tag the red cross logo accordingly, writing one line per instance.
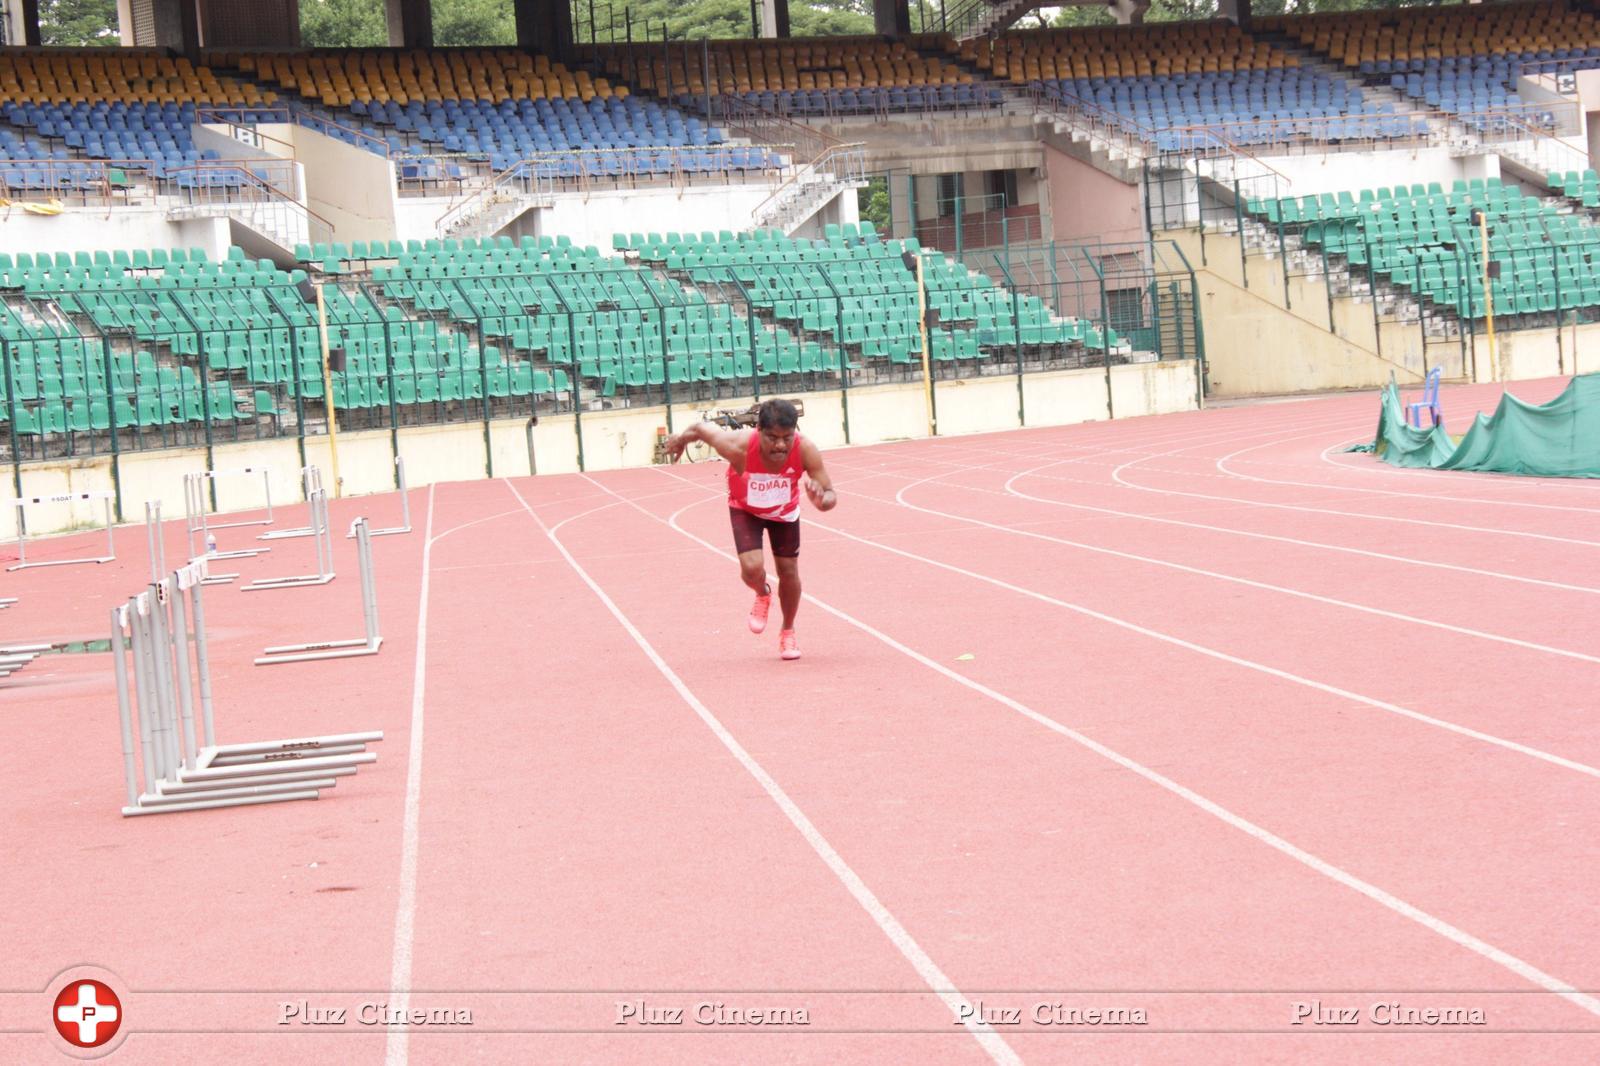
(87, 1013)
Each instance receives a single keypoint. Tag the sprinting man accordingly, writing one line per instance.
(764, 468)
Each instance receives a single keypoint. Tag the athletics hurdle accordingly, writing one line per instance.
(311, 479)
(69, 497)
(405, 506)
(324, 574)
(7, 601)
(340, 649)
(183, 771)
(194, 507)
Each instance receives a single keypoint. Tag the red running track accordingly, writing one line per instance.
(1196, 721)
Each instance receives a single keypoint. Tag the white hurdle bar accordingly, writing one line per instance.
(405, 506)
(324, 574)
(311, 479)
(197, 520)
(7, 601)
(68, 497)
(183, 771)
(17, 656)
(340, 649)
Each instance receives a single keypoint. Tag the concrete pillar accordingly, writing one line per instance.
(175, 24)
(774, 18)
(544, 26)
(28, 16)
(891, 18)
(410, 23)
(1128, 12)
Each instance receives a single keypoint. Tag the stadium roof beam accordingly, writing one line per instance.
(410, 23)
(892, 17)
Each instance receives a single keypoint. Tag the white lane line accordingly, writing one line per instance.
(898, 935)
(1388, 900)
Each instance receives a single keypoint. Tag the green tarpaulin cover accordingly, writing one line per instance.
(1557, 439)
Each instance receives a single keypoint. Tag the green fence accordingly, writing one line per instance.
(104, 360)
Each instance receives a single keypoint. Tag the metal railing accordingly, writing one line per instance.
(881, 105)
(812, 185)
(525, 184)
(107, 182)
(742, 118)
(294, 116)
(256, 203)
(242, 130)
(151, 369)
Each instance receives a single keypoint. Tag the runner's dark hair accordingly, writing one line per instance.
(777, 414)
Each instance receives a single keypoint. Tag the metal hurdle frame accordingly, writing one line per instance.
(194, 507)
(405, 506)
(7, 601)
(157, 547)
(183, 771)
(324, 574)
(67, 497)
(340, 649)
(311, 479)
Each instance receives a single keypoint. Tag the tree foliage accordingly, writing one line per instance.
(873, 203)
(343, 24)
(78, 23)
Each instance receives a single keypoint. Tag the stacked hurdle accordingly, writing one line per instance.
(158, 630)
(17, 656)
(71, 497)
(194, 506)
(370, 644)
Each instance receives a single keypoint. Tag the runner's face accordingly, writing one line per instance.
(775, 445)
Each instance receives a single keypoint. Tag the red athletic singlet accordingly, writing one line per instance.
(774, 496)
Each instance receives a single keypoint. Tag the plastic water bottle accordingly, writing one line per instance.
(211, 543)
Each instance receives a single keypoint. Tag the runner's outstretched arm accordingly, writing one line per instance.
(730, 444)
(819, 486)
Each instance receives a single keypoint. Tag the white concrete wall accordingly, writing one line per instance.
(89, 229)
(1350, 171)
(611, 439)
(595, 217)
(350, 187)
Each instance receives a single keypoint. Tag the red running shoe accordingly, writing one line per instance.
(788, 646)
(758, 611)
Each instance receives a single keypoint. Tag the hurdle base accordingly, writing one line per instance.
(333, 649)
(235, 791)
(235, 525)
(390, 532)
(61, 562)
(211, 804)
(242, 553)
(303, 778)
(288, 534)
(303, 581)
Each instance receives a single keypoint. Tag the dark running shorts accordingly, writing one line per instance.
(747, 529)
